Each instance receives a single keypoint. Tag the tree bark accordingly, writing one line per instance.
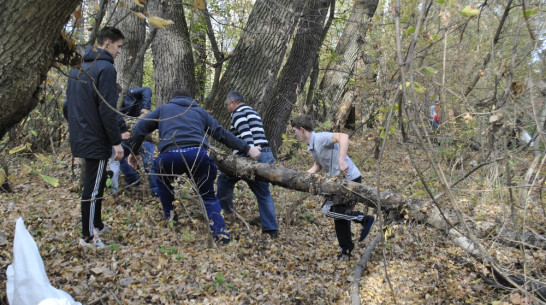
(173, 59)
(30, 29)
(134, 30)
(258, 56)
(198, 32)
(338, 72)
(295, 72)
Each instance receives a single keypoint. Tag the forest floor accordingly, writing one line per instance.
(146, 261)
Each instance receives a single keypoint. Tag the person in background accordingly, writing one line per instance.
(183, 129)
(137, 103)
(434, 116)
(93, 125)
(329, 150)
(247, 125)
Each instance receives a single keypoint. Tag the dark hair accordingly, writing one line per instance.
(235, 96)
(304, 121)
(110, 33)
(181, 92)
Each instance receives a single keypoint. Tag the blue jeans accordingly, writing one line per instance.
(147, 154)
(203, 170)
(259, 188)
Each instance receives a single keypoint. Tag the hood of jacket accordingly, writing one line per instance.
(184, 101)
(93, 53)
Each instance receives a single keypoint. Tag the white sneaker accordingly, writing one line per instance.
(97, 243)
(105, 230)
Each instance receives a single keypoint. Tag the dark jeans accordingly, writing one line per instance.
(259, 188)
(91, 201)
(147, 154)
(196, 163)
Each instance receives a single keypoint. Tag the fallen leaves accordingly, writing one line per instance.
(150, 262)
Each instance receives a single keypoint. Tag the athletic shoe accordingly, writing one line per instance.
(105, 230)
(273, 233)
(367, 223)
(344, 255)
(97, 243)
(222, 238)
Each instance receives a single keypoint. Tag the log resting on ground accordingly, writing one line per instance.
(394, 206)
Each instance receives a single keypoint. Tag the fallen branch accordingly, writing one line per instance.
(394, 206)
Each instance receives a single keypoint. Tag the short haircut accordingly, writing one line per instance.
(110, 33)
(181, 92)
(304, 121)
(235, 96)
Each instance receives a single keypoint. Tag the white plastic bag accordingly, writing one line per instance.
(27, 280)
(526, 138)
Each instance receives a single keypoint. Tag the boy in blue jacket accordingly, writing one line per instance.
(183, 129)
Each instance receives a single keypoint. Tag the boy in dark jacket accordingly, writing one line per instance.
(93, 125)
(183, 130)
(138, 102)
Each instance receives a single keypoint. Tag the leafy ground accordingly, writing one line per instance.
(148, 261)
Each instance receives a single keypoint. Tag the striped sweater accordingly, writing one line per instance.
(247, 125)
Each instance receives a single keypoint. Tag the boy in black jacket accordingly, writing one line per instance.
(93, 125)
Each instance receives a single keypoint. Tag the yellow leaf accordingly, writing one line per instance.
(468, 11)
(44, 159)
(198, 4)
(140, 15)
(27, 170)
(50, 180)
(139, 3)
(2, 176)
(17, 149)
(159, 22)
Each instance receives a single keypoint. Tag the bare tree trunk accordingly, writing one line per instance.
(258, 56)
(30, 30)
(134, 30)
(173, 59)
(338, 72)
(198, 25)
(294, 74)
(311, 106)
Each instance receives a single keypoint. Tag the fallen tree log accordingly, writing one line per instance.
(394, 206)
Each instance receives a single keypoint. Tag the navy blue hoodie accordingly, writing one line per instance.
(92, 124)
(184, 124)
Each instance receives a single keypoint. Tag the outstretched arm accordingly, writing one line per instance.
(342, 139)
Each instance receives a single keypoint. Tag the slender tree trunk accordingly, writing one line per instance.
(296, 70)
(338, 72)
(311, 103)
(134, 30)
(258, 56)
(30, 29)
(198, 33)
(173, 59)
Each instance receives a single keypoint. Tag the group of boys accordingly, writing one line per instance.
(183, 126)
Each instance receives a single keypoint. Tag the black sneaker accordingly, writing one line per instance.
(273, 233)
(222, 238)
(344, 255)
(367, 223)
